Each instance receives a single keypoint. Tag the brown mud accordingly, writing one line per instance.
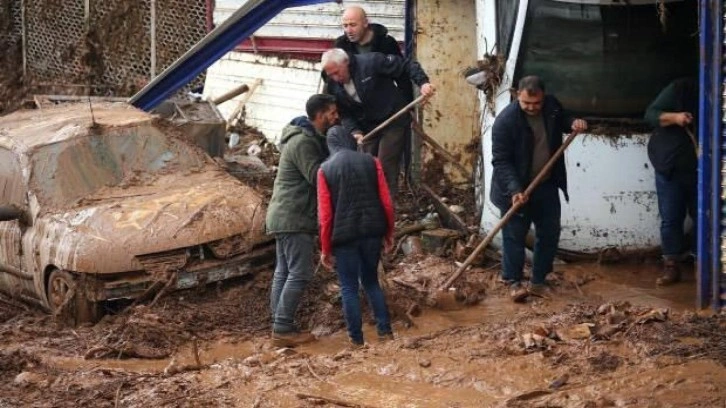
(602, 336)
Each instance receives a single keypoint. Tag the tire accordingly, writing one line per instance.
(478, 183)
(79, 309)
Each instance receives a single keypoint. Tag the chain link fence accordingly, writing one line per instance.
(11, 35)
(103, 46)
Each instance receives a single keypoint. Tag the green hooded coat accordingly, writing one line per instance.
(293, 207)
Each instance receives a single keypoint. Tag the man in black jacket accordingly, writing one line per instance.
(524, 137)
(361, 37)
(672, 153)
(365, 89)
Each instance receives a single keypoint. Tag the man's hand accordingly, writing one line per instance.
(358, 136)
(427, 89)
(579, 125)
(681, 119)
(519, 198)
(327, 261)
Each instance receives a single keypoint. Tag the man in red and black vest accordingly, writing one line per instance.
(356, 219)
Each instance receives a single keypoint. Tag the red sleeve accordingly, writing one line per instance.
(385, 197)
(325, 214)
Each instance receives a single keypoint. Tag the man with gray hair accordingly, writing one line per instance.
(524, 137)
(364, 86)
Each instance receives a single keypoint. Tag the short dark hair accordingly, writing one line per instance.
(318, 103)
(532, 84)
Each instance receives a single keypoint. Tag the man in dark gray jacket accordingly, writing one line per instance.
(364, 86)
(292, 214)
(524, 137)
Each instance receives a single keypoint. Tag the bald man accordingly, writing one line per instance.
(361, 37)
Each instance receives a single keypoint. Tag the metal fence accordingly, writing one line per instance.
(113, 47)
(11, 33)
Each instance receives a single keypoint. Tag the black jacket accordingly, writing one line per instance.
(512, 145)
(374, 77)
(670, 149)
(383, 43)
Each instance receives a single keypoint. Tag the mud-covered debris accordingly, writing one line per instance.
(559, 382)
(425, 363)
(577, 332)
(27, 378)
(655, 315)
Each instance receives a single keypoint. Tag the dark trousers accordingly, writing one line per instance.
(542, 209)
(676, 198)
(356, 263)
(388, 147)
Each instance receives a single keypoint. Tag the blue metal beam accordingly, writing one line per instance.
(714, 116)
(704, 162)
(211, 48)
(709, 164)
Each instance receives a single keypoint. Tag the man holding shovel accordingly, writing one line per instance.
(524, 137)
(364, 86)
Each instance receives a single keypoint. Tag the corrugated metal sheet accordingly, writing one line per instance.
(286, 86)
(321, 21)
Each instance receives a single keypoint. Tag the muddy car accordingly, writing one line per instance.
(110, 203)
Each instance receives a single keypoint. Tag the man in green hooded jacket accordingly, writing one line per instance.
(292, 214)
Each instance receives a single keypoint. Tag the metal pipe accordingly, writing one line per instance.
(717, 150)
(152, 36)
(24, 37)
(704, 255)
(210, 15)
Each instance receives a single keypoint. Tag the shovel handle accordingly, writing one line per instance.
(388, 121)
(693, 140)
(510, 213)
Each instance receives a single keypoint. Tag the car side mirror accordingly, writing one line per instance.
(10, 213)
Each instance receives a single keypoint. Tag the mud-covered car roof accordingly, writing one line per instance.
(26, 130)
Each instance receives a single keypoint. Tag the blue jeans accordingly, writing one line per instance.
(676, 197)
(542, 209)
(356, 262)
(293, 271)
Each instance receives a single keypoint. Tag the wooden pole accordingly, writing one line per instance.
(509, 214)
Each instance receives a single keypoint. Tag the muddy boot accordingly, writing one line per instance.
(385, 337)
(538, 290)
(517, 293)
(291, 339)
(671, 274)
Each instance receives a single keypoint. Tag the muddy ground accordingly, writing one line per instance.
(596, 340)
(603, 336)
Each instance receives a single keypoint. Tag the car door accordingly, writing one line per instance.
(13, 277)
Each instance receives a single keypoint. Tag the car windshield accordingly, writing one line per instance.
(608, 61)
(66, 172)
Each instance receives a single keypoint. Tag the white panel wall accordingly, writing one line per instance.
(322, 20)
(286, 86)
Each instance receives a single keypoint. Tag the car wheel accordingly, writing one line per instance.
(67, 302)
(478, 182)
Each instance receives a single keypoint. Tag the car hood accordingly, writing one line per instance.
(108, 231)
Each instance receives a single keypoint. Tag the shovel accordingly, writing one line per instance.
(443, 295)
(388, 121)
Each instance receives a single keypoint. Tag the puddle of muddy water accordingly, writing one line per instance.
(635, 283)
